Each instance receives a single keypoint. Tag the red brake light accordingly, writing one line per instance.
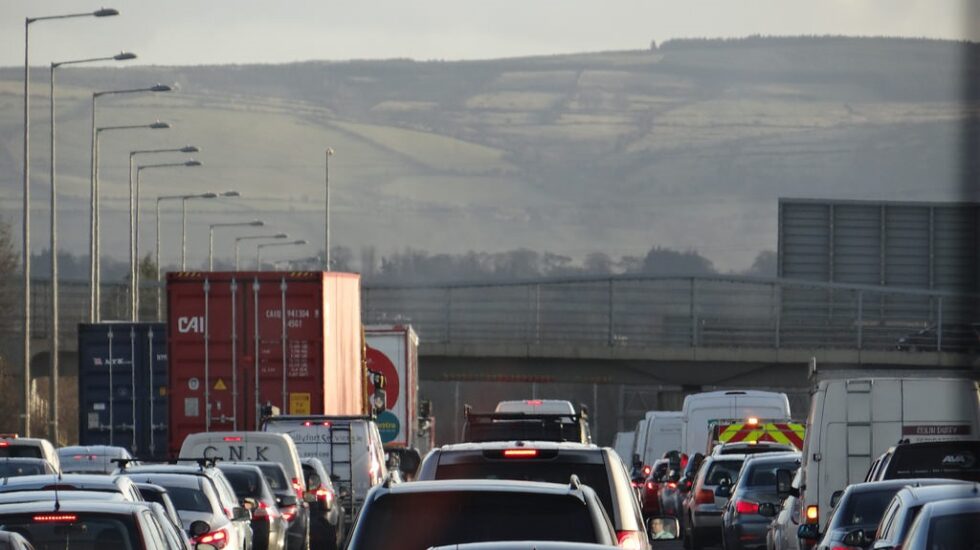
(326, 424)
(534, 402)
(520, 453)
(650, 485)
(704, 496)
(55, 518)
(219, 538)
(671, 484)
(324, 495)
(4, 443)
(288, 512)
(263, 512)
(628, 539)
(233, 438)
(647, 470)
(746, 507)
(298, 488)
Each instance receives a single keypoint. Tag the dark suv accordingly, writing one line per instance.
(598, 467)
(423, 514)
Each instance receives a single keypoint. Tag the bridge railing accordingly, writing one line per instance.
(677, 312)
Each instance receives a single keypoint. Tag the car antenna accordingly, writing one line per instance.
(57, 500)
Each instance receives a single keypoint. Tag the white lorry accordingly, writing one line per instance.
(702, 410)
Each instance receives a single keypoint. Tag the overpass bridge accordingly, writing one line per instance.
(626, 344)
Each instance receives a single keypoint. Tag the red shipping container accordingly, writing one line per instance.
(231, 334)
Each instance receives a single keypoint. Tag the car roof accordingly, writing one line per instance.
(147, 486)
(183, 469)
(75, 506)
(512, 444)
(39, 496)
(482, 485)
(929, 493)
(773, 457)
(951, 506)
(734, 457)
(156, 478)
(92, 449)
(79, 480)
(890, 483)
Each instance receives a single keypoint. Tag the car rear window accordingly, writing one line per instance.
(74, 530)
(246, 484)
(423, 520)
(13, 469)
(20, 451)
(949, 459)
(865, 507)
(722, 469)
(150, 495)
(189, 499)
(275, 477)
(955, 531)
(550, 471)
(764, 474)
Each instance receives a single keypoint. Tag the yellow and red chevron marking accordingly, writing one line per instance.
(788, 433)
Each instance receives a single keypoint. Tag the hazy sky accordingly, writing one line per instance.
(183, 32)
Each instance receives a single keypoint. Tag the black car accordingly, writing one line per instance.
(950, 459)
(742, 526)
(252, 489)
(598, 467)
(326, 511)
(424, 514)
(294, 511)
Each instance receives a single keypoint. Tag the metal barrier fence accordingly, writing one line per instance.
(715, 312)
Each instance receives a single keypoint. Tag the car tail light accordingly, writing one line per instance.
(298, 488)
(646, 470)
(704, 496)
(263, 512)
(812, 514)
(233, 438)
(325, 495)
(288, 512)
(629, 539)
(218, 539)
(671, 484)
(650, 485)
(55, 518)
(746, 507)
(520, 453)
(534, 402)
(4, 443)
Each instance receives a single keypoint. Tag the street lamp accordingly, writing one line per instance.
(258, 250)
(94, 294)
(54, 345)
(159, 200)
(135, 200)
(104, 12)
(183, 227)
(97, 216)
(238, 241)
(253, 223)
(133, 260)
(326, 209)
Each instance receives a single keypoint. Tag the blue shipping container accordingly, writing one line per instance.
(122, 386)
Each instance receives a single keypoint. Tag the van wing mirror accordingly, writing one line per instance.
(856, 538)
(784, 483)
(767, 510)
(808, 531)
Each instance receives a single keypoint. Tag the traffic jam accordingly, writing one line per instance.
(262, 415)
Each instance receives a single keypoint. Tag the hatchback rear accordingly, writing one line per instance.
(742, 525)
(87, 525)
(599, 468)
(423, 514)
(701, 516)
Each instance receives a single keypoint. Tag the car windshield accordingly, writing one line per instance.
(722, 469)
(955, 531)
(764, 474)
(593, 475)
(14, 469)
(246, 484)
(419, 521)
(75, 531)
(864, 507)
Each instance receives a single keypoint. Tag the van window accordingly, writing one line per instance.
(949, 459)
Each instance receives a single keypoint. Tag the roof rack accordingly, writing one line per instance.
(202, 462)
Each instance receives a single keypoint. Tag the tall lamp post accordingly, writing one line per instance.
(183, 226)
(97, 216)
(53, 344)
(133, 260)
(326, 209)
(104, 12)
(258, 250)
(238, 242)
(136, 216)
(211, 227)
(94, 294)
(159, 200)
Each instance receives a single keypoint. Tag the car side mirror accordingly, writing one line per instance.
(286, 500)
(767, 510)
(198, 528)
(835, 498)
(662, 528)
(808, 531)
(723, 491)
(855, 538)
(784, 483)
(250, 503)
(241, 513)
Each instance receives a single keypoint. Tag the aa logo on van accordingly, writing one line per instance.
(963, 460)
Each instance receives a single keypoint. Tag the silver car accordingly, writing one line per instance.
(701, 516)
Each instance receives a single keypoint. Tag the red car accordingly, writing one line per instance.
(651, 487)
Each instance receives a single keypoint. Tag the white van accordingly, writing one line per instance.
(701, 410)
(623, 445)
(639, 436)
(349, 446)
(853, 421)
(11, 445)
(663, 433)
(248, 447)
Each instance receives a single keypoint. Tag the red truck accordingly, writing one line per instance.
(242, 343)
